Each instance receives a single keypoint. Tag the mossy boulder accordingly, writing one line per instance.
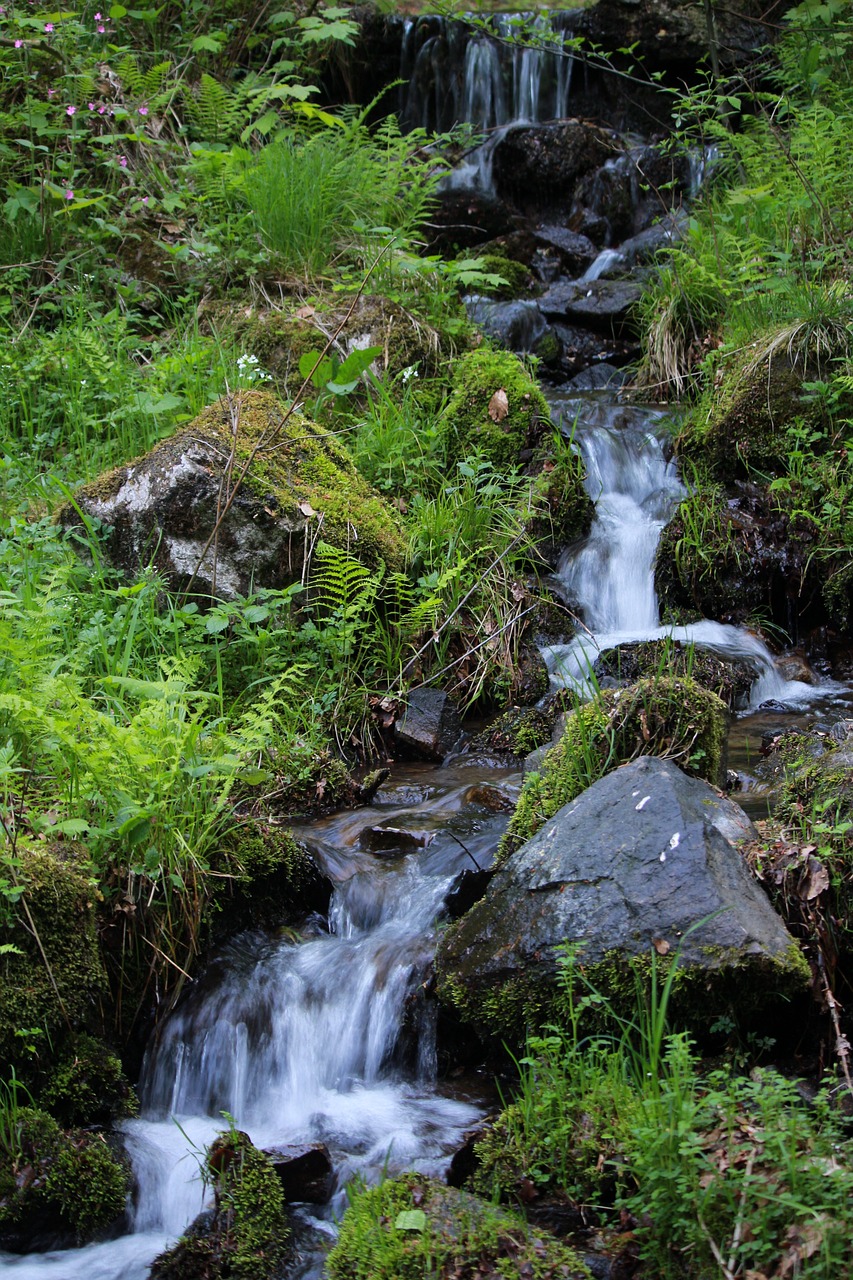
(88, 1085)
(476, 423)
(57, 1187)
(739, 429)
(53, 979)
(270, 878)
(246, 1235)
(730, 680)
(642, 863)
(299, 483)
(412, 1227)
(666, 716)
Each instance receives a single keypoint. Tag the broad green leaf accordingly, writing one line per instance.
(410, 1220)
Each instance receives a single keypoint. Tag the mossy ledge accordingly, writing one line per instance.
(411, 1227)
(668, 716)
(300, 483)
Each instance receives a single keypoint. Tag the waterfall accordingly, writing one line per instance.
(300, 1040)
(610, 577)
(458, 73)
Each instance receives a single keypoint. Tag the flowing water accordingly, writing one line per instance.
(610, 577)
(321, 1038)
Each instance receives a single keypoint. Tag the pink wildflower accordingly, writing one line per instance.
(97, 17)
(48, 26)
(69, 194)
(101, 109)
(91, 106)
(123, 161)
(101, 29)
(70, 111)
(19, 44)
(143, 111)
(51, 93)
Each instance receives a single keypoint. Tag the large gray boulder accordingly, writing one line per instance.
(300, 486)
(631, 865)
(606, 305)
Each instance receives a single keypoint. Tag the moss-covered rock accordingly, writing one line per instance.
(246, 1236)
(299, 482)
(517, 732)
(411, 1227)
(56, 1186)
(666, 716)
(88, 1085)
(52, 981)
(730, 680)
(516, 276)
(499, 436)
(271, 879)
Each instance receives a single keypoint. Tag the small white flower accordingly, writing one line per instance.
(411, 372)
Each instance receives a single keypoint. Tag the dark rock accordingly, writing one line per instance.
(465, 1162)
(646, 244)
(576, 251)
(598, 377)
(464, 218)
(795, 666)
(539, 164)
(488, 797)
(673, 34)
(305, 1171)
(604, 305)
(635, 861)
(467, 888)
(517, 325)
(382, 839)
(429, 727)
(582, 348)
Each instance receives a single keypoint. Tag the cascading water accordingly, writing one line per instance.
(300, 1041)
(611, 576)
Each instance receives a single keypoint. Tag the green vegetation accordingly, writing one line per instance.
(667, 716)
(248, 1236)
(412, 1227)
(681, 1165)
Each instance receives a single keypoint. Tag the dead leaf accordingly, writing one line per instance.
(816, 880)
(306, 508)
(306, 313)
(498, 406)
(661, 946)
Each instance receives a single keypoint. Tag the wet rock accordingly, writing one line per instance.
(429, 727)
(467, 888)
(464, 218)
(540, 164)
(674, 33)
(394, 840)
(795, 666)
(582, 348)
(304, 1171)
(646, 244)
(604, 305)
(517, 325)
(599, 377)
(465, 1161)
(487, 797)
(633, 863)
(163, 509)
(576, 251)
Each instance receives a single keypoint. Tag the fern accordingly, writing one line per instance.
(213, 110)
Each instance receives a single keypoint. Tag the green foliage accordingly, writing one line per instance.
(411, 1227)
(87, 1085)
(709, 1166)
(668, 716)
(475, 423)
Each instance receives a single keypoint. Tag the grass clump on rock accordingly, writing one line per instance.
(668, 716)
(412, 1227)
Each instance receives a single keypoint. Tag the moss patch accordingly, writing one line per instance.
(42, 996)
(88, 1085)
(469, 427)
(246, 1238)
(71, 1179)
(669, 716)
(412, 1227)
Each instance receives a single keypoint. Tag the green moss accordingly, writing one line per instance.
(515, 274)
(301, 463)
(448, 1234)
(470, 429)
(668, 716)
(77, 1179)
(61, 902)
(567, 508)
(633, 662)
(248, 1236)
(517, 732)
(739, 427)
(88, 1085)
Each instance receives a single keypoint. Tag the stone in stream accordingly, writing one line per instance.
(623, 871)
(304, 1171)
(429, 727)
(540, 164)
(388, 840)
(602, 304)
(576, 251)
